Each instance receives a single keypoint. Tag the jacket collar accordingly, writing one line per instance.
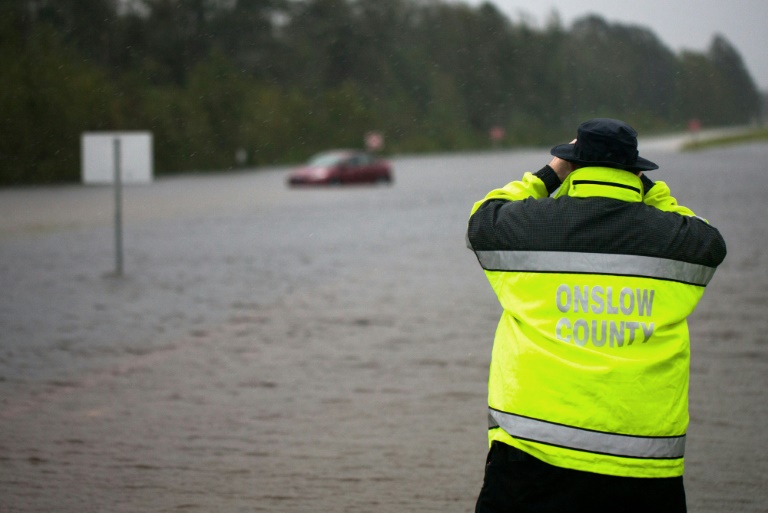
(604, 182)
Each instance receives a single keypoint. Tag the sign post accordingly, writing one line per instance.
(117, 157)
(694, 127)
(118, 181)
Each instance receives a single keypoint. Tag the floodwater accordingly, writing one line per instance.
(317, 350)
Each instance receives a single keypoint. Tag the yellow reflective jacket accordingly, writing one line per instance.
(590, 362)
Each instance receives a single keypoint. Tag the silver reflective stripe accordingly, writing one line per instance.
(595, 263)
(584, 440)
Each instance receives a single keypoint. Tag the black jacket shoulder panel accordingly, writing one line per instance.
(594, 225)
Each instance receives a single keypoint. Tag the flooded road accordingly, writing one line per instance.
(317, 350)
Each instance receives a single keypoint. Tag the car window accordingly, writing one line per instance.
(363, 160)
(333, 159)
(325, 159)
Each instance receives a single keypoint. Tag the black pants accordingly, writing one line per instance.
(516, 482)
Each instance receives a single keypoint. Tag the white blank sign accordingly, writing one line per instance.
(98, 157)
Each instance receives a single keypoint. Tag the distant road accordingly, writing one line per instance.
(674, 142)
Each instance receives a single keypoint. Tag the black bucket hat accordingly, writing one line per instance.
(605, 142)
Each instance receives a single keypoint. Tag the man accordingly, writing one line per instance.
(588, 387)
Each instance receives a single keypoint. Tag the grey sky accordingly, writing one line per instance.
(679, 24)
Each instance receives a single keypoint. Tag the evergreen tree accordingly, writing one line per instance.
(282, 79)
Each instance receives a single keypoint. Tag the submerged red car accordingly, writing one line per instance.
(342, 167)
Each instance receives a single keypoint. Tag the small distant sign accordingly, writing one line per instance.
(98, 157)
(374, 141)
(694, 125)
(497, 133)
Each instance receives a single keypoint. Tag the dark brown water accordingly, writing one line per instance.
(316, 350)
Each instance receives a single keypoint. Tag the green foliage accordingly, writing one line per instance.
(47, 99)
(223, 83)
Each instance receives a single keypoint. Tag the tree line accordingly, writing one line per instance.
(222, 83)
